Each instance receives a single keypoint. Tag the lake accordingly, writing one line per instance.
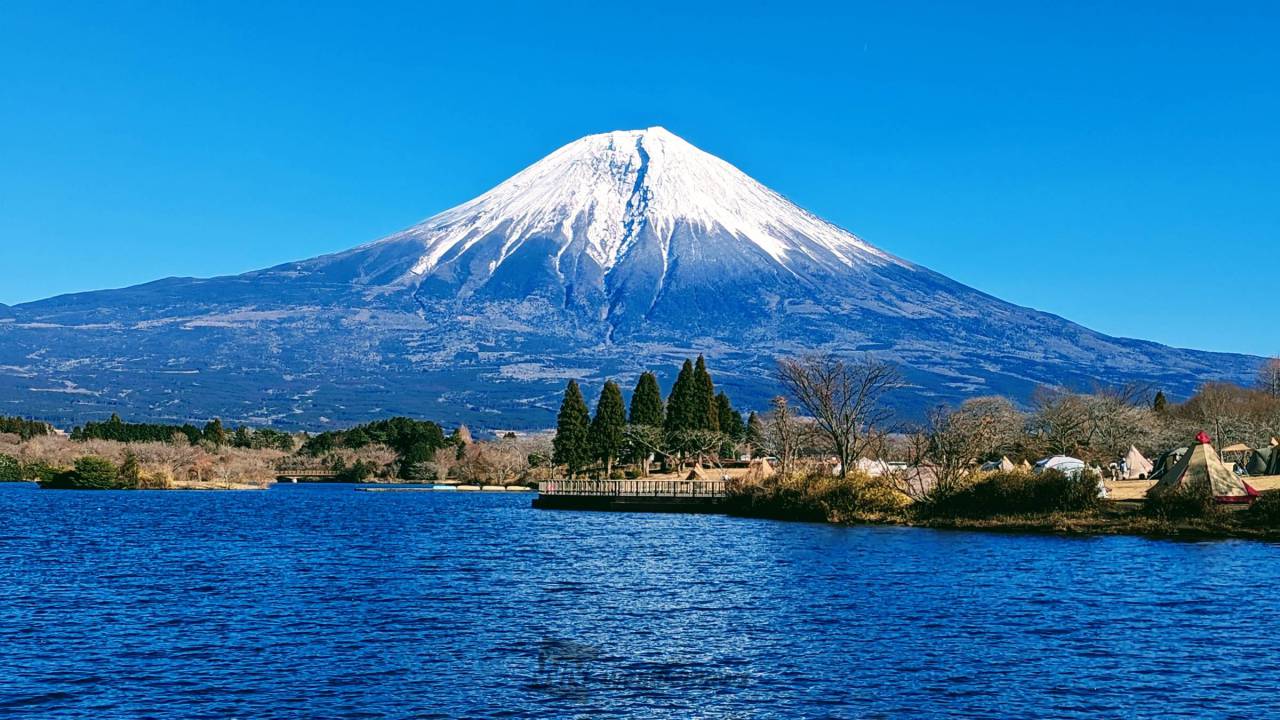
(319, 601)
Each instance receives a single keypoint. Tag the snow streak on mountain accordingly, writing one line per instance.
(618, 252)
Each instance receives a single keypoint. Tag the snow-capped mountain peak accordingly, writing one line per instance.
(603, 193)
(618, 253)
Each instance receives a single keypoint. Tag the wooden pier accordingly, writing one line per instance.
(688, 496)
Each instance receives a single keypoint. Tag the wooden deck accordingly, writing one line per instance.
(632, 495)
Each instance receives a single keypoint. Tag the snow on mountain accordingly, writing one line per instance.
(605, 189)
(616, 253)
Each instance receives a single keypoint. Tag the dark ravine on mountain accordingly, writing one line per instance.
(616, 253)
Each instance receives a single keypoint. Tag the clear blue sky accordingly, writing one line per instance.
(1120, 167)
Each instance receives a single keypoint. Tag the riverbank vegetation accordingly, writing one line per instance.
(115, 454)
(835, 452)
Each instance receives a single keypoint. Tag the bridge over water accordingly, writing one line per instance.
(305, 475)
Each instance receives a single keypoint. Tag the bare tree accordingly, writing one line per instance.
(956, 440)
(785, 435)
(442, 461)
(1269, 377)
(647, 442)
(845, 399)
(492, 463)
(1060, 421)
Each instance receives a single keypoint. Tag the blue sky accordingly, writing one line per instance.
(1119, 167)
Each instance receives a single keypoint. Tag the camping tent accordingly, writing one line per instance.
(1024, 465)
(1136, 466)
(1202, 468)
(1263, 462)
(872, 468)
(1061, 463)
(1165, 462)
(758, 470)
(696, 474)
(1004, 464)
(1238, 447)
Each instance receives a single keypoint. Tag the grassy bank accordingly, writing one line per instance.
(1005, 502)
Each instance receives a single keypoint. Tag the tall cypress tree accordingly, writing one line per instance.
(646, 402)
(680, 403)
(608, 429)
(704, 407)
(730, 420)
(571, 445)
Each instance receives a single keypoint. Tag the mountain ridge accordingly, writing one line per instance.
(615, 253)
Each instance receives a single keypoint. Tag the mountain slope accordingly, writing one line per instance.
(617, 253)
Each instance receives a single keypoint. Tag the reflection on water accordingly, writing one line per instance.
(318, 601)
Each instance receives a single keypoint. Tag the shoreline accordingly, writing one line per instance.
(1106, 522)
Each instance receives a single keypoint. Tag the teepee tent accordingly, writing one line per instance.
(1201, 468)
(1024, 465)
(696, 474)
(1136, 465)
(1004, 464)
(758, 470)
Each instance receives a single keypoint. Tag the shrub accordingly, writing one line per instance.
(1265, 511)
(356, 472)
(130, 473)
(1021, 493)
(39, 471)
(1184, 503)
(10, 469)
(90, 473)
(820, 498)
(857, 496)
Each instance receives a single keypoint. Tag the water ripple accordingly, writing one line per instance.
(309, 601)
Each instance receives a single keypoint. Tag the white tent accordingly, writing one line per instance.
(1062, 463)
(1136, 466)
(872, 468)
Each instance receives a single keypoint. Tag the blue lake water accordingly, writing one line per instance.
(319, 601)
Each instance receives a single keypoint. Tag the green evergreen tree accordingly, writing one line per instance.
(572, 443)
(730, 420)
(241, 438)
(705, 413)
(213, 432)
(646, 402)
(608, 429)
(1160, 403)
(681, 409)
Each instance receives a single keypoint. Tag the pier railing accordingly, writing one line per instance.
(634, 488)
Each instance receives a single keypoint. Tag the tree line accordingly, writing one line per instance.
(695, 421)
(24, 428)
(836, 410)
(213, 432)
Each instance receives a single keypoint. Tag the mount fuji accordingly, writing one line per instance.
(617, 253)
